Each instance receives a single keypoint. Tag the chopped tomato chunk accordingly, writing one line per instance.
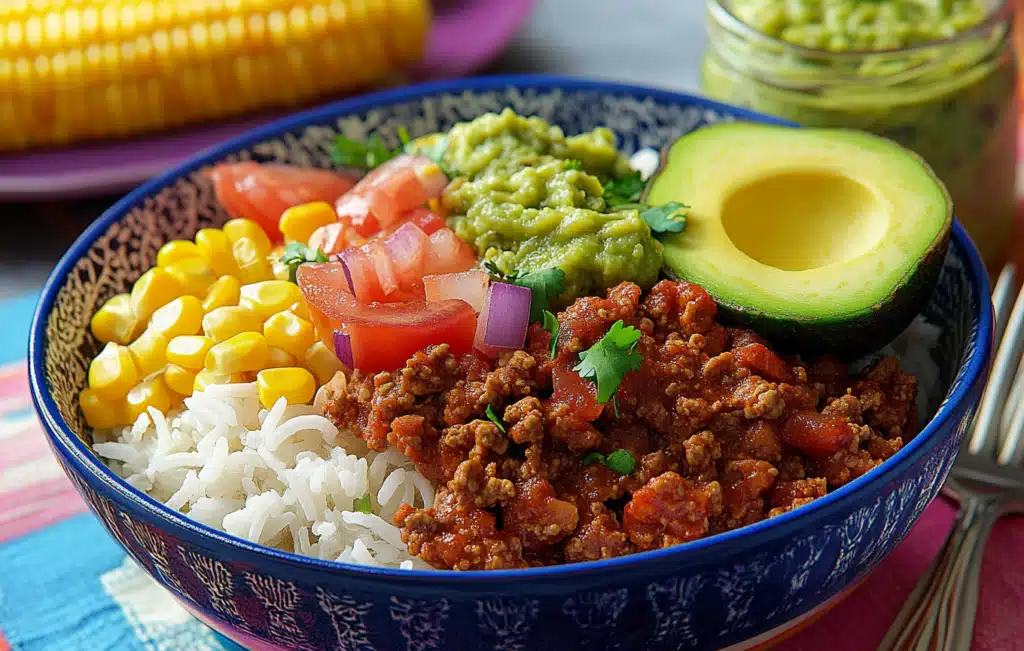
(261, 192)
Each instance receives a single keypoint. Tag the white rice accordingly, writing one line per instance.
(286, 478)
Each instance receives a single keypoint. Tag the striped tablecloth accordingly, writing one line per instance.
(64, 584)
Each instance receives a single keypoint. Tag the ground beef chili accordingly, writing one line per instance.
(724, 432)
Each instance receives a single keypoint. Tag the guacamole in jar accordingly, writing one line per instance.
(527, 198)
(936, 77)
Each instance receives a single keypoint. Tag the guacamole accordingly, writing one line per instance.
(903, 69)
(529, 198)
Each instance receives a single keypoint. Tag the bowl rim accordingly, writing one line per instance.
(74, 452)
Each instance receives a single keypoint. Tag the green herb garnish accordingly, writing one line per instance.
(550, 324)
(367, 155)
(620, 461)
(627, 190)
(665, 218)
(573, 164)
(545, 285)
(608, 361)
(297, 254)
(493, 417)
(362, 504)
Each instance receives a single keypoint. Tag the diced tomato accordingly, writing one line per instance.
(470, 286)
(362, 275)
(425, 218)
(332, 238)
(261, 192)
(386, 339)
(383, 335)
(382, 198)
(448, 254)
(408, 247)
(576, 392)
(382, 265)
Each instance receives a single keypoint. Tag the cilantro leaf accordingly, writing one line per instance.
(362, 504)
(627, 190)
(592, 457)
(550, 324)
(403, 137)
(493, 417)
(620, 461)
(297, 254)
(546, 285)
(607, 362)
(367, 155)
(665, 218)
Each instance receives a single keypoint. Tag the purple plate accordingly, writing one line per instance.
(467, 35)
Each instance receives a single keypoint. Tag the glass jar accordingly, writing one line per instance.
(952, 101)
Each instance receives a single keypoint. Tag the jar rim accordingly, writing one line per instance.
(1003, 14)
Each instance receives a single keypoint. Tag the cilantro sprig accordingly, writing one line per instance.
(665, 218)
(607, 362)
(493, 417)
(297, 254)
(544, 285)
(362, 504)
(620, 461)
(624, 191)
(373, 152)
(550, 323)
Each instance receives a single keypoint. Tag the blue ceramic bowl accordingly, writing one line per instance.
(707, 594)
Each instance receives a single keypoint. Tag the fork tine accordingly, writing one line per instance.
(983, 436)
(1001, 297)
(1015, 397)
(1011, 450)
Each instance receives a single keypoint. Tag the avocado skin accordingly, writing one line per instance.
(855, 336)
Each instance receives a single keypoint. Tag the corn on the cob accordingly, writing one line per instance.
(73, 70)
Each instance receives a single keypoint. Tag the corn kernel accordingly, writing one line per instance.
(215, 247)
(269, 297)
(180, 380)
(253, 265)
(247, 351)
(113, 372)
(223, 292)
(226, 322)
(238, 229)
(100, 413)
(182, 316)
(322, 362)
(149, 351)
(174, 251)
(193, 274)
(189, 351)
(153, 290)
(151, 392)
(279, 358)
(206, 378)
(116, 321)
(298, 222)
(295, 385)
(287, 331)
(298, 308)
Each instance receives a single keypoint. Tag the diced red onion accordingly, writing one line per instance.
(343, 348)
(504, 320)
(348, 274)
(408, 246)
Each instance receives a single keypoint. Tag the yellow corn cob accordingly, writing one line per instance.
(73, 70)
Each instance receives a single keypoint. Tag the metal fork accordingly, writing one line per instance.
(987, 482)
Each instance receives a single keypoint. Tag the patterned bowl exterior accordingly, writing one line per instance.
(704, 595)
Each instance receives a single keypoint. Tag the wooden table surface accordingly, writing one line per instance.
(640, 41)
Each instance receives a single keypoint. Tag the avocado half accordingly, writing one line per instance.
(822, 240)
